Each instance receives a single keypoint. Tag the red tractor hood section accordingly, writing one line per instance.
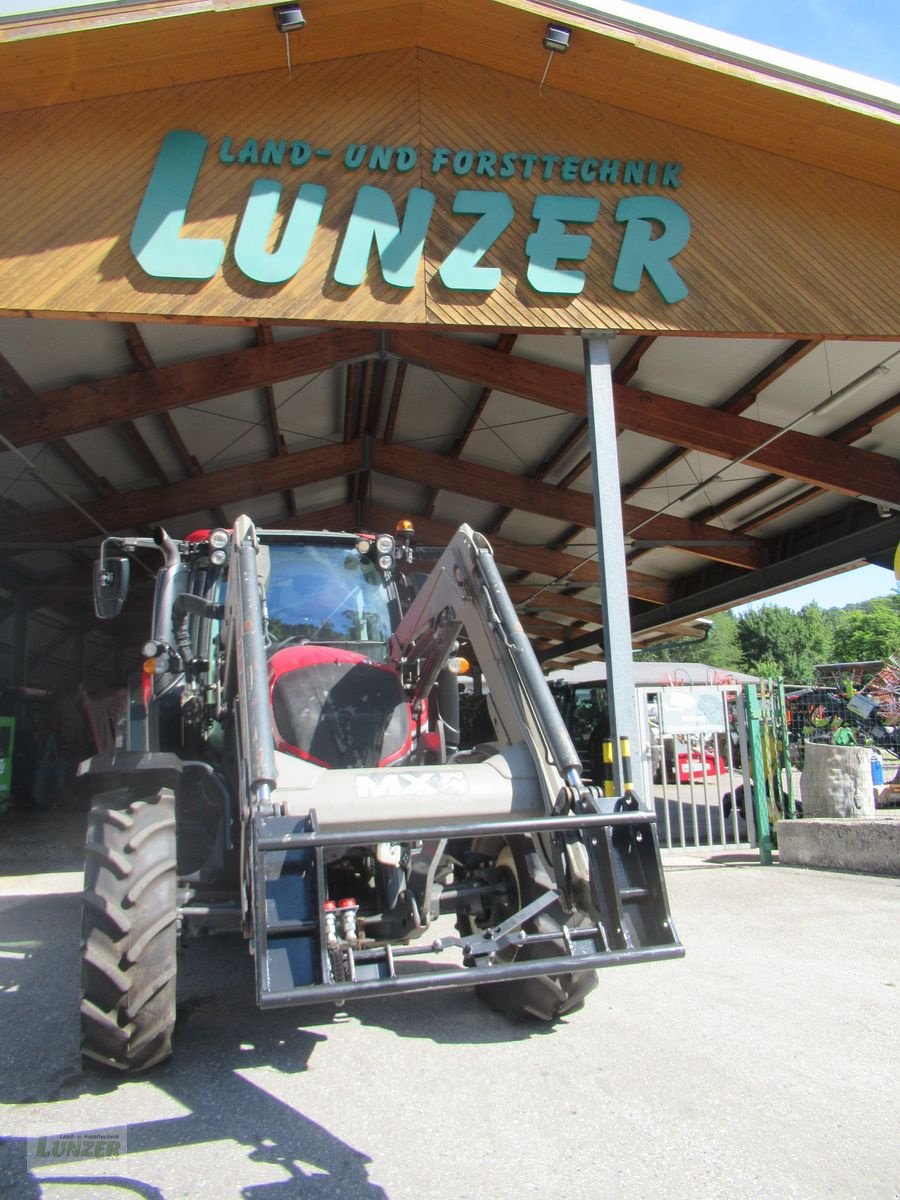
(295, 658)
(337, 708)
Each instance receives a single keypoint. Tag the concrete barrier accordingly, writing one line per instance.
(870, 845)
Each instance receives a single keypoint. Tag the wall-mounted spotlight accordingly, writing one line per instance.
(556, 41)
(288, 17)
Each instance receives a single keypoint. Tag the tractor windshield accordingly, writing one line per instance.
(327, 593)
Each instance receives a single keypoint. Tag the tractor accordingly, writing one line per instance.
(290, 766)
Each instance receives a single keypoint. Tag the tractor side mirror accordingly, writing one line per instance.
(111, 576)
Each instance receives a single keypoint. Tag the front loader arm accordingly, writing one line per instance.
(245, 677)
(465, 591)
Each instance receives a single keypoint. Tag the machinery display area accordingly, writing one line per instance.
(620, 300)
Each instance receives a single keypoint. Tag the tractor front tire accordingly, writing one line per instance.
(128, 950)
(539, 997)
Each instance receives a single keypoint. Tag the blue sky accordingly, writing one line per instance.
(858, 35)
(849, 588)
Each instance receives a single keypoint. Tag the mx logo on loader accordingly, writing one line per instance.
(428, 783)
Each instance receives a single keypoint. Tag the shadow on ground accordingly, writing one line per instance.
(220, 1034)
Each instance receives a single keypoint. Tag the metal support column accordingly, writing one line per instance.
(610, 546)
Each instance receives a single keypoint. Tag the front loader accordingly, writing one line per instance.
(291, 767)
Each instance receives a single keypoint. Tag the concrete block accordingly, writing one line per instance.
(870, 845)
(837, 781)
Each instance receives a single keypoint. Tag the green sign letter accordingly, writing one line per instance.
(155, 240)
(459, 269)
(550, 242)
(399, 249)
(640, 251)
(279, 265)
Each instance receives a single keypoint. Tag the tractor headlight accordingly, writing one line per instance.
(386, 561)
(218, 540)
(384, 544)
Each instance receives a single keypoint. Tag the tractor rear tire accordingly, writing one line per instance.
(128, 950)
(540, 997)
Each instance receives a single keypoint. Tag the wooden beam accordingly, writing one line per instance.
(504, 345)
(394, 406)
(791, 454)
(351, 396)
(540, 627)
(143, 361)
(142, 451)
(264, 338)
(556, 386)
(562, 451)
(536, 560)
(227, 486)
(499, 487)
(19, 392)
(279, 447)
(188, 461)
(627, 368)
(13, 388)
(65, 411)
(529, 600)
(551, 463)
(70, 455)
(341, 518)
(137, 347)
(737, 402)
(859, 427)
(376, 397)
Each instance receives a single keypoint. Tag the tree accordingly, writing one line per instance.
(873, 632)
(773, 636)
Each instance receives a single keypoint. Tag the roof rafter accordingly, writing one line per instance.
(790, 454)
(505, 343)
(737, 402)
(65, 411)
(537, 560)
(859, 427)
(227, 486)
(279, 447)
(499, 487)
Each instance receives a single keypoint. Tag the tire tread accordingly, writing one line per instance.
(539, 997)
(128, 965)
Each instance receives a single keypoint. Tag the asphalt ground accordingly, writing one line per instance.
(763, 1064)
